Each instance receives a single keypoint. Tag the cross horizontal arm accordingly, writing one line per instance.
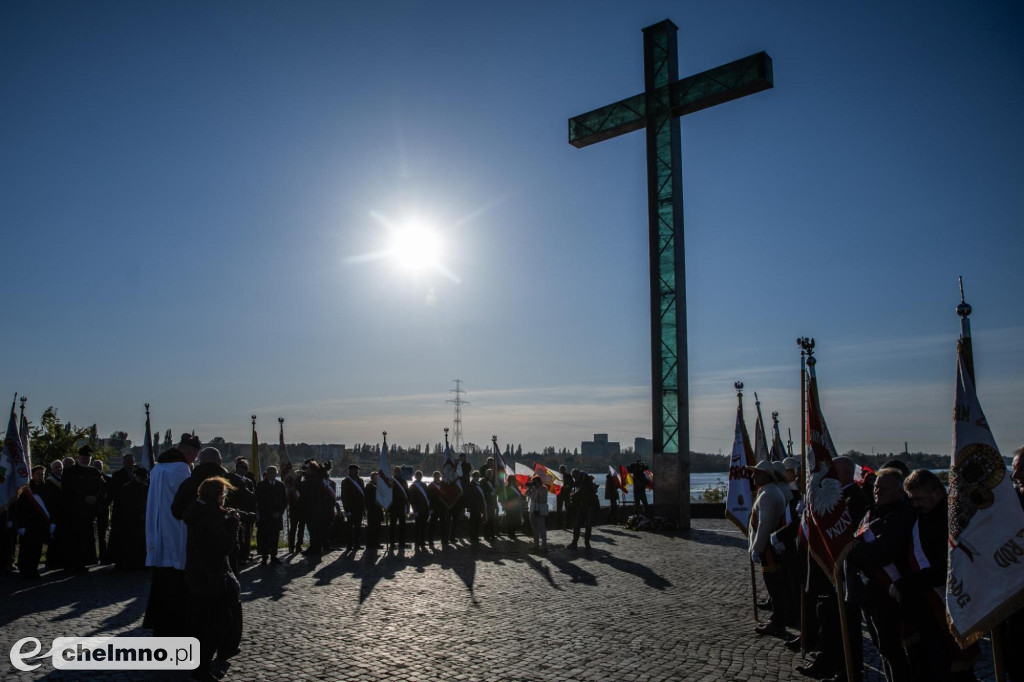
(714, 86)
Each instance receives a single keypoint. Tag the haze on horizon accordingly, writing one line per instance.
(326, 212)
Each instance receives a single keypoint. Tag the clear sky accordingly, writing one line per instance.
(190, 191)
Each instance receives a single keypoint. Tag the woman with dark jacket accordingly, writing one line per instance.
(214, 592)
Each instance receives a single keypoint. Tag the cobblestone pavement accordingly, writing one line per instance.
(639, 606)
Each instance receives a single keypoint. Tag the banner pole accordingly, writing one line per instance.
(802, 342)
(840, 581)
(997, 655)
(753, 590)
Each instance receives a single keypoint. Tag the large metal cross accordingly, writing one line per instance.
(665, 98)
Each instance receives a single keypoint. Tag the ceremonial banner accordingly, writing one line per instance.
(778, 452)
(26, 445)
(384, 477)
(626, 478)
(500, 468)
(830, 529)
(760, 442)
(552, 480)
(985, 580)
(740, 495)
(523, 475)
(13, 469)
(148, 456)
(451, 487)
(616, 478)
(254, 454)
(285, 463)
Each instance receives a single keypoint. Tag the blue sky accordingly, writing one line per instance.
(185, 185)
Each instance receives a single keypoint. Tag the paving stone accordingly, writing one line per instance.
(639, 606)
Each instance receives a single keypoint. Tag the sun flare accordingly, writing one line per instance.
(416, 247)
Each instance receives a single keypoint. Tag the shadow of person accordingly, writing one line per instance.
(727, 538)
(564, 562)
(371, 570)
(650, 578)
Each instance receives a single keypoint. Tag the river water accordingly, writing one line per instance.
(698, 484)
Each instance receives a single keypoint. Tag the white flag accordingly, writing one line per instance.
(985, 582)
(741, 495)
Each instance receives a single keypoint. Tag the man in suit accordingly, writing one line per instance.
(271, 501)
(419, 499)
(353, 499)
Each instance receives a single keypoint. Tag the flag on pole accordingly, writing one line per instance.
(552, 480)
(830, 529)
(616, 477)
(740, 496)
(760, 442)
(384, 476)
(254, 453)
(778, 451)
(13, 470)
(451, 486)
(26, 444)
(282, 454)
(626, 478)
(523, 476)
(985, 579)
(500, 468)
(148, 456)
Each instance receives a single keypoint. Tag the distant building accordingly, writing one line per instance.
(331, 452)
(599, 447)
(643, 447)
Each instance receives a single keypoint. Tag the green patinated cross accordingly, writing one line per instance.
(658, 108)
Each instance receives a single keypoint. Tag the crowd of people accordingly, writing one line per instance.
(192, 522)
(82, 514)
(893, 578)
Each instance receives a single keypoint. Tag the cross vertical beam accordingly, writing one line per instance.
(658, 108)
(671, 424)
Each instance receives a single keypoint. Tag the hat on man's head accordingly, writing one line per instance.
(85, 451)
(780, 470)
(190, 441)
(353, 466)
(792, 463)
(209, 456)
(764, 465)
(241, 462)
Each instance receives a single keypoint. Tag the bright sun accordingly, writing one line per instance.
(415, 247)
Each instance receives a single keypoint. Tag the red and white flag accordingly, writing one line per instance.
(830, 527)
(552, 480)
(740, 496)
(985, 579)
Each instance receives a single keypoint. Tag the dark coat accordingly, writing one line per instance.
(353, 496)
(212, 533)
(882, 548)
(118, 479)
(271, 501)
(419, 501)
(399, 497)
(244, 494)
(128, 525)
(374, 512)
(30, 517)
(188, 491)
